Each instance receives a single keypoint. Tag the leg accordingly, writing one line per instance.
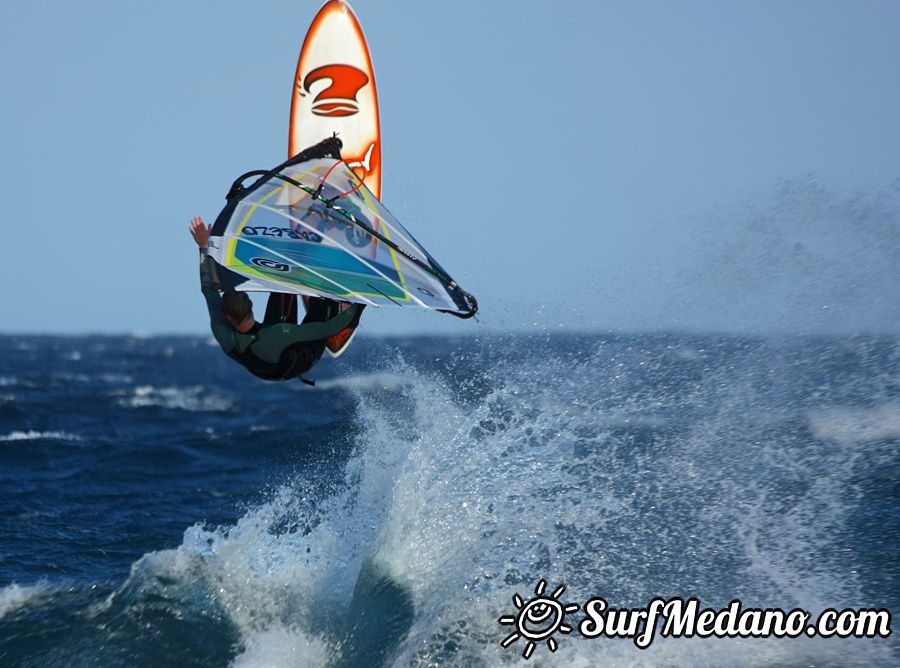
(281, 308)
(300, 358)
(320, 309)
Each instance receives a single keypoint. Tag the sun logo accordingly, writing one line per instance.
(538, 619)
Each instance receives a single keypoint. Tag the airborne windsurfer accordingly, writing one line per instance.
(278, 348)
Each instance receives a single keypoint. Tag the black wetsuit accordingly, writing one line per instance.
(278, 348)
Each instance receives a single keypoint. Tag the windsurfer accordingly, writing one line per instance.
(278, 348)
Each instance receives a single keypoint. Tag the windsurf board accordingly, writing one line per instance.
(334, 93)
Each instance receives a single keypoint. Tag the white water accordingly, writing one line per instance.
(463, 505)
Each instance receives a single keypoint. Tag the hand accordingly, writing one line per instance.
(200, 232)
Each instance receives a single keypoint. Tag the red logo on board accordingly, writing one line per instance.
(338, 99)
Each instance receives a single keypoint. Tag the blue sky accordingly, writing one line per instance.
(606, 166)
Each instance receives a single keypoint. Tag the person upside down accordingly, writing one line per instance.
(278, 348)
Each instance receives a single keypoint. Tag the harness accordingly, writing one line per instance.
(267, 370)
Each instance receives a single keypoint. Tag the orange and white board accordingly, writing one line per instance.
(334, 92)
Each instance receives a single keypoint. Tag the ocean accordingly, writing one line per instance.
(159, 506)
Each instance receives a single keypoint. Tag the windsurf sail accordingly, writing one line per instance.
(311, 227)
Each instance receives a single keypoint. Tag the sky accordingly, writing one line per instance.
(624, 166)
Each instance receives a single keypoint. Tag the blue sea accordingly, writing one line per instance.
(159, 506)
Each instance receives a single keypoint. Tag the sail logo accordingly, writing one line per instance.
(266, 263)
(538, 619)
(339, 97)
